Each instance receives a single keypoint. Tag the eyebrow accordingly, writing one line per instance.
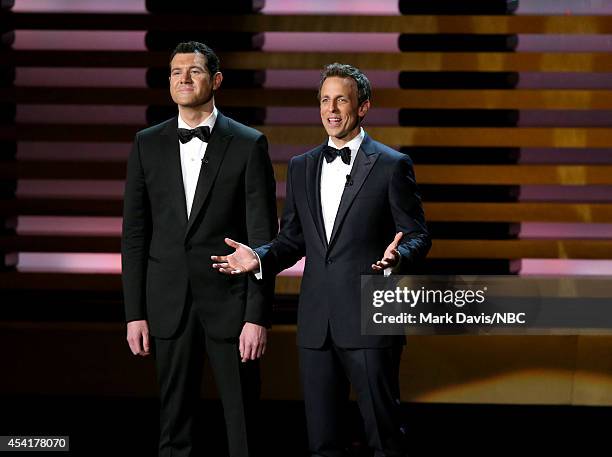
(190, 68)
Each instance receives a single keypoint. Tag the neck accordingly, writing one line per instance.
(194, 115)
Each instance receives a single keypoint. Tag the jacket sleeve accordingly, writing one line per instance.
(288, 247)
(262, 226)
(408, 215)
(136, 236)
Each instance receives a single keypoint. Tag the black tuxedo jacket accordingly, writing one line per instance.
(164, 254)
(381, 200)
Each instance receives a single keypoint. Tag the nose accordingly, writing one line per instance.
(186, 78)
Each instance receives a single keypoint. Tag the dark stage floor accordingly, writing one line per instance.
(127, 426)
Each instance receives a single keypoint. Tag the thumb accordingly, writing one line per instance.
(232, 243)
(396, 240)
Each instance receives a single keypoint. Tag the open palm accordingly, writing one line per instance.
(391, 255)
(242, 260)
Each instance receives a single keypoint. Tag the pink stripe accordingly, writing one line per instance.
(565, 267)
(51, 262)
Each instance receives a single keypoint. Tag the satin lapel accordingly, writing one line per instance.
(215, 153)
(365, 160)
(171, 162)
(313, 190)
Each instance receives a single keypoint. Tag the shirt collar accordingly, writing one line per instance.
(353, 145)
(209, 121)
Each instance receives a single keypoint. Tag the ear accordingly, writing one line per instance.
(217, 79)
(363, 109)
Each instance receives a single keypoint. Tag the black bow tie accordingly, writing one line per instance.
(331, 153)
(185, 135)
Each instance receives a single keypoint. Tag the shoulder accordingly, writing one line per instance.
(388, 154)
(157, 128)
(394, 163)
(239, 130)
(301, 159)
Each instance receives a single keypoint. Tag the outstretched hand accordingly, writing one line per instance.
(243, 260)
(391, 256)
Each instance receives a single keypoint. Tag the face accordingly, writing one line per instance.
(340, 111)
(191, 85)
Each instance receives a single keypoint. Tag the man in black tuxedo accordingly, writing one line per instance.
(190, 181)
(346, 200)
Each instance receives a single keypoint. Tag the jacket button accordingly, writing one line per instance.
(329, 261)
(187, 247)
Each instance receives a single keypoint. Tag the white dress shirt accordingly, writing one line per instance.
(333, 180)
(192, 154)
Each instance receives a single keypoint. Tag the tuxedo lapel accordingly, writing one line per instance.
(365, 160)
(313, 190)
(215, 153)
(171, 163)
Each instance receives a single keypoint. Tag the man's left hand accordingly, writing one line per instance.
(252, 342)
(391, 256)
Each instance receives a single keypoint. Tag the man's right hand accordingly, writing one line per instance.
(243, 260)
(138, 337)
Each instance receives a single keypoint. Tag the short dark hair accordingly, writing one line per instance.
(188, 47)
(342, 70)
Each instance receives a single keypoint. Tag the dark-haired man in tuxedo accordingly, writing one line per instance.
(346, 200)
(190, 181)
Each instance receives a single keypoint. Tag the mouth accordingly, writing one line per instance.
(334, 121)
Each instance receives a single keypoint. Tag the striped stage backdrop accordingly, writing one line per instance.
(505, 106)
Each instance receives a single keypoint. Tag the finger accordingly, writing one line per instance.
(257, 352)
(382, 264)
(250, 351)
(133, 347)
(246, 356)
(137, 348)
(255, 348)
(376, 267)
(241, 347)
(221, 265)
(219, 258)
(263, 349)
(145, 341)
(232, 243)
